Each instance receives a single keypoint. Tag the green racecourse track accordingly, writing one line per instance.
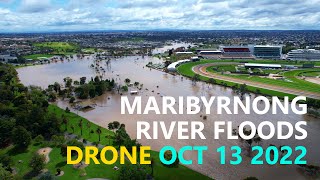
(292, 87)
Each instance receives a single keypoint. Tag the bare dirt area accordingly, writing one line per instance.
(45, 152)
(313, 80)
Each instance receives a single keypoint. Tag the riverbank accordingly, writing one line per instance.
(160, 171)
(57, 161)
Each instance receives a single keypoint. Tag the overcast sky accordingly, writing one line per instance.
(83, 15)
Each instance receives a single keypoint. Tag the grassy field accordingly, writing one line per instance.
(58, 47)
(58, 161)
(186, 70)
(37, 56)
(92, 170)
(90, 50)
(310, 74)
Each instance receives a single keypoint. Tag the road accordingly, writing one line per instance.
(201, 69)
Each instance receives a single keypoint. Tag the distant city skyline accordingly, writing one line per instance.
(89, 15)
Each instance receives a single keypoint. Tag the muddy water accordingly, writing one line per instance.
(108, 110)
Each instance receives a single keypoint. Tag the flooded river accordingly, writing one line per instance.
(108, 109)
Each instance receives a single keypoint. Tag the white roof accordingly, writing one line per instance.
(184, 52)
(173, 65)
(264, 65)
(267, 46)
(216, 51)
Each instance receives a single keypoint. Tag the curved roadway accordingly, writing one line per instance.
(201, 70)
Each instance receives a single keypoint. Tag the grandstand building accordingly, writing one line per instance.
(304, 55)
(267, 51)
(236, 52)
(210, 54)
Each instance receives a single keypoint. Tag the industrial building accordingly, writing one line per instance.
(267, 51)
(304, 55)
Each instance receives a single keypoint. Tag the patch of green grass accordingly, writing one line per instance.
(58, 161)
(59, 47)
(160, 172)
(89, 129)
(272, 71)
(310, 74)
(90, 50)
(37, 56)
(230, 68)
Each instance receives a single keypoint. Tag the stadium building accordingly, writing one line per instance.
(267, 51)
(236, 52)
(210, 54)
(304, 55)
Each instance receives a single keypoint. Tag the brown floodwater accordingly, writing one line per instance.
(108, 109)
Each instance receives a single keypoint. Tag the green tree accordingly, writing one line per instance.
(98, 131)
(6, 161)
(130, 171)
(37, 163)
(83, 80)
(56, 87)
(168, 157)
(152, 165)
(110, 126)
(116, 124)
(21, 137)
(4, 174)
(6, 126)
(212, 81)
(65, 122)
(124, 88)
(72, 99)
(196, 78)
(39, 139)
(80, 124)
(57, 140)
(127, 80)
(47, 176)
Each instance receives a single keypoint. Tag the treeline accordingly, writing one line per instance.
(313, 103)
(80, 89)
(23, 111)
(23, 116)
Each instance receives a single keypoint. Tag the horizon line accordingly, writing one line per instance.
(131, 30)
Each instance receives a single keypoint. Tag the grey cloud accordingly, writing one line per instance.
(35, 6)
